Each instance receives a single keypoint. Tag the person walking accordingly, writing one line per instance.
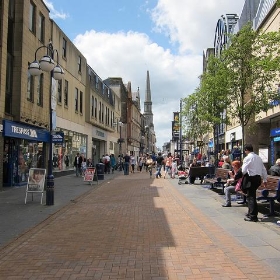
(112, 162)
(140, 163)
(126, 161)
(78, 164)
(159, 162)
(253, 171)
(168, 164)
(132, 163)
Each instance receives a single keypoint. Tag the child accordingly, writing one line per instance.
(174, 169)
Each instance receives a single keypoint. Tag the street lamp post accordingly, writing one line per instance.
(148, 137)
(120, 144)
(47, 64)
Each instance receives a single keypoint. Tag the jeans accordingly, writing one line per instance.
(228, 191)
(78, 170)
(158, 174)
(126, 168)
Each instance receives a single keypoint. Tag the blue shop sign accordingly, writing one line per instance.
(275, 132)
(18, 130)
(58, 137)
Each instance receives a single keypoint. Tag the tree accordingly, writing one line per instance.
(251, 64)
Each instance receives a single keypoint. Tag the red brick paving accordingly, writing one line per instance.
(133, 227)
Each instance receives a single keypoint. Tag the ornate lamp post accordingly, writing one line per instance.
(148, 138)
(47, 64)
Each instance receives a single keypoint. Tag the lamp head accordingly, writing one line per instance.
(46, 63)
(34, 68)
(58, 72)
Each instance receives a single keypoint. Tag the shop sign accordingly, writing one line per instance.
(58, 137)
(18, 130)
(275, 132)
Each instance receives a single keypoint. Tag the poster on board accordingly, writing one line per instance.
(36, 182)
(90, 175)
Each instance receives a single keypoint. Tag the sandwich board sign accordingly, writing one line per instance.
(90, 175)
(36, 182)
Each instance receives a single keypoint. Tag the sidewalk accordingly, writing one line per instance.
(134, 227)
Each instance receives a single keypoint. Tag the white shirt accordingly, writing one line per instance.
(253, 165)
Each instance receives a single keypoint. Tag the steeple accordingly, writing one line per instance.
(148, 113)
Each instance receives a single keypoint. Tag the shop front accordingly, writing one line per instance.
(275, 145)
(24, 148)
(64, 151)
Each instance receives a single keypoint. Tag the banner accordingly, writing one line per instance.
(176, 126)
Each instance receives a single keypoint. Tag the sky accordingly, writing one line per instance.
(127, 38)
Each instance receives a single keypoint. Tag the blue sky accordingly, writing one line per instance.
(125, 38)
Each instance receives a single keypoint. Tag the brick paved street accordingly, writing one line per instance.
(134, 227)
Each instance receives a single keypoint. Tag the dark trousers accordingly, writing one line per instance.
(251, 196)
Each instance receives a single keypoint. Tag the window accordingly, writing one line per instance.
(92, 106)
(30, 87)
(59, 91)
(32, 17)
(65, 93)
(76, 99)
(64, 48)
(96, 82)
(40, 90)
(99, 111)
(79, 64)
(95, 108)
(81, 102)
(41, 27)
(102, 114)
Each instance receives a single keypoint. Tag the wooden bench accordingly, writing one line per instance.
(219, 179)
(200, 172)
(271, 193)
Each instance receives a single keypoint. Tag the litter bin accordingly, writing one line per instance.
(100, 171)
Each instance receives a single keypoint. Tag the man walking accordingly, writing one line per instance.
(78, 164)
(253, 169)
(159, 161)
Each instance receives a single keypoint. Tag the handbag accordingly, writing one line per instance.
(238, 185)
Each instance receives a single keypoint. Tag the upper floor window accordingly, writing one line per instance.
(76, 99)
(41, 31)
(96, 82)
(79, 64)
(59, 91)
(95, 108)
(64, 48)
(81, 102)
(65, 93)
(30, 87)
(32, 17)
(92, 106)
(102, 114)
(99, 112)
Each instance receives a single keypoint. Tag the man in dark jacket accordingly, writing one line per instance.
(78, 164)
(159, 161)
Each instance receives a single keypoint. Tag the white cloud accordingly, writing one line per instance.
(188, 24)
(53, 12)
(130, 55)
(192, 24)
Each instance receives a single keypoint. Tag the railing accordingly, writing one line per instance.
(264, 8)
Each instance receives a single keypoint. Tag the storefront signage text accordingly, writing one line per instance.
(26, 131)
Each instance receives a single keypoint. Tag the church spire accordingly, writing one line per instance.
(148, 113)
